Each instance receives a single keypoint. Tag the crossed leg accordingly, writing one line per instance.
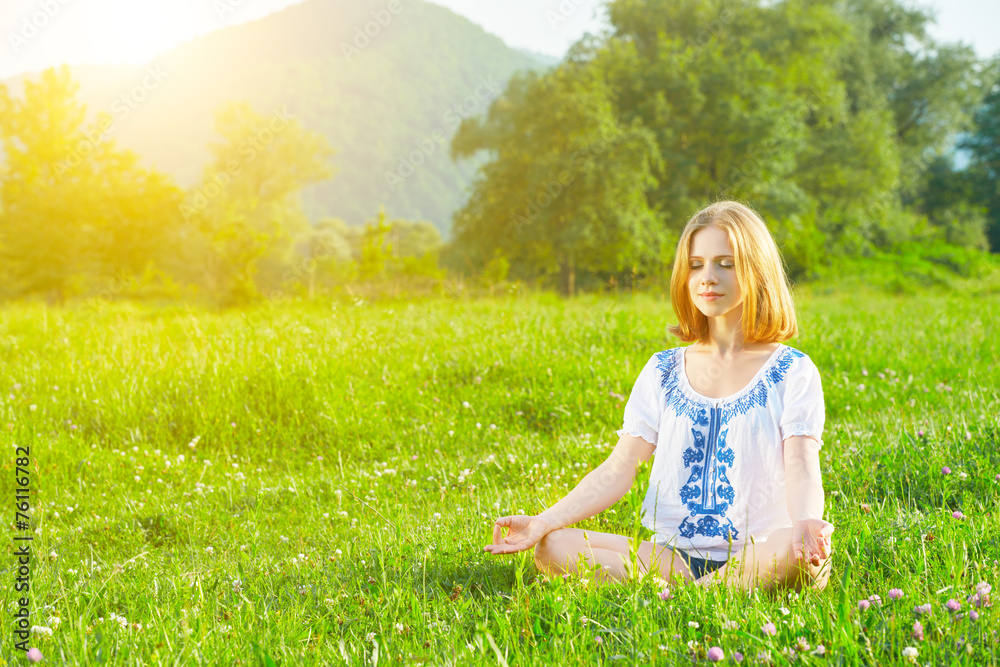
(769, 564)
(573, 549)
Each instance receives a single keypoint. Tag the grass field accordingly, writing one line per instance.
(313, 484)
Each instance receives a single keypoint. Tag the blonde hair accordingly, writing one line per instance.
(768, 309)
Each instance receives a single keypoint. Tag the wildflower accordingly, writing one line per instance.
(715, 654)
(918, 631)
(599, 639)
(41, 630)
(895, 593)
(730, 625)
(737, 656)
(784, 611)
(953, 605)
(875, 599)
(973, 615)
(981, 598)
(910, 653)
(963, 475)
(820, 650)
(866, 508)
(957, 515)
(863, 605)
(693, 624)
(53, 556)
(665, 594)
(769, 629)
(920, 433)
(209, 550)
(801, 645)
(34, 655)
(946, 470)
(922, 609)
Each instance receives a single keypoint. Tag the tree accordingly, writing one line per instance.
(78, 214)
(984, 145)
(567, 189)
(247, 206)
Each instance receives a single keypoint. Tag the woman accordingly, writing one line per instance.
(733, 423)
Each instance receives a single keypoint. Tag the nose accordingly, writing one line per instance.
(708, 276)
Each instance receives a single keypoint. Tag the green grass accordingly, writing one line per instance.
(304, 483)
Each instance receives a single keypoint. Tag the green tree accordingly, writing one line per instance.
(984, 145)
(566, 191)
(247, 206)
(78, 214)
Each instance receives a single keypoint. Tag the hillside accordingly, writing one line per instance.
(376, 105)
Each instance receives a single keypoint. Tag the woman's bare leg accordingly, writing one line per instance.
(770, 565)
(572, 549)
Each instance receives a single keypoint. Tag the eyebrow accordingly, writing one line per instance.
(716, 257)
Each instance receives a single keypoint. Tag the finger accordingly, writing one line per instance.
(496, 534)
(827, 530)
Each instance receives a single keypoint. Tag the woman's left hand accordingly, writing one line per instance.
(811, 540)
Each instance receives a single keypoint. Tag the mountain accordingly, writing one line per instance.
(383, 81)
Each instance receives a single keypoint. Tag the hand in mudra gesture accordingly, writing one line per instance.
(523, 532)
(811, 540)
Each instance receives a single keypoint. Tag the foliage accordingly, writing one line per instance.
(821, 115)
(78, 215)
(246, 207)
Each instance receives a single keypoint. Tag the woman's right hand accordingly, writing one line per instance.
(523, 533)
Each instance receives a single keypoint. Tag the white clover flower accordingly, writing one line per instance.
(41, 630)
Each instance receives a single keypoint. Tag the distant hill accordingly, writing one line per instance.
(378, 104)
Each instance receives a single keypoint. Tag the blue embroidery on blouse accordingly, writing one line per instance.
(708, 493)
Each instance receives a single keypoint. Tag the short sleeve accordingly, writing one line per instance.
(803, 411)
(642, 412)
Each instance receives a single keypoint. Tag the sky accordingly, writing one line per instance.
(35, 34)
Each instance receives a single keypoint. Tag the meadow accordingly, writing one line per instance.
(313, 483)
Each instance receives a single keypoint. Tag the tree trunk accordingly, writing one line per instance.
(567, 276)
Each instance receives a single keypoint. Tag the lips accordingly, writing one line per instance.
(706, 294)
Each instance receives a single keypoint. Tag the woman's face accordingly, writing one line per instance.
(712, 283)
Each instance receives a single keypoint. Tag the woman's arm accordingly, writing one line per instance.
(805, 497)
(599, 490)
(603, 486)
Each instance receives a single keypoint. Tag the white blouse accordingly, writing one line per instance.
(718, 473)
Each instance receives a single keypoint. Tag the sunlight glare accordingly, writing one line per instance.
(135, 31)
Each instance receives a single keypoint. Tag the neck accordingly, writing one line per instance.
(725, 333)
